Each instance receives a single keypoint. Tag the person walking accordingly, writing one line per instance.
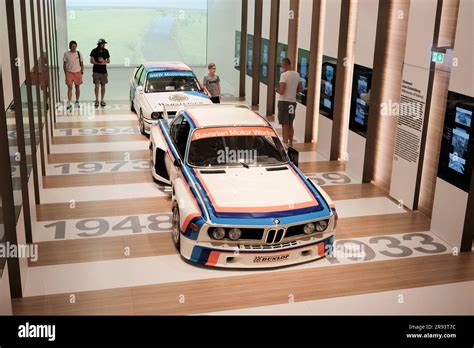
(212, 84)
(100, 57)
(73, 70)
(290, 85)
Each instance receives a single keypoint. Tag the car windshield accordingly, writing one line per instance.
(169, 81)
(236, 150)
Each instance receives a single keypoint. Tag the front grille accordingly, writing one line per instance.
(293, 231)
(267, 247)
(274, 236)
(252, 233)
(247, 233)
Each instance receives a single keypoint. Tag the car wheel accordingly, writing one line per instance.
(176, 230)
(132, 106)
(142, 124)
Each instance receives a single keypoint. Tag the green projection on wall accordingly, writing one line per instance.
(141, 30)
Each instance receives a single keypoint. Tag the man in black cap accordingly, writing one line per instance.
(100, 57)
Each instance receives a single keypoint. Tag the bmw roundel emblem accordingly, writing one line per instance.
(276, 221)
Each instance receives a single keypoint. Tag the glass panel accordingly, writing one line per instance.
(2, 236)
(14, 156)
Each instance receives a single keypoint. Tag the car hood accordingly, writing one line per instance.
(173, 100)
(256, 190)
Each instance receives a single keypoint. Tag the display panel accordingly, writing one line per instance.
(360, 99)
(302, 68)
(237, 50)
(282, 52)
(141, 30)
(457, 146)
(328, 86)
(249, 54)
(264, 55)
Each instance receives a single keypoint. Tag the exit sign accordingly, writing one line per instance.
(437, 57)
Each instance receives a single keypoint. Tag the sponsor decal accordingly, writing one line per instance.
(275, 258)
(178, 98)
(155, 75)
(233, 132)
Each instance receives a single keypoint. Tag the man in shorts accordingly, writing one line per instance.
(73, 69)
(290, 84)
(100, 57)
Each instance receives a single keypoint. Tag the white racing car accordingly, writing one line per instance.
(162, 86)
(237, 200)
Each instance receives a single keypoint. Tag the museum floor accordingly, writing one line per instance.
(103, 231)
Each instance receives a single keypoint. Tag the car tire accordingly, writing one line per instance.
(132, 106)
(176, 229)
(141, 123)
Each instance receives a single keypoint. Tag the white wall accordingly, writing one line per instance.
(304, 42)
(331, 27)
(330, 46)
(363, 55)
(250, 30)
(283, 32)
(462, 73)
(365, 34)
(223, 21)
(266, 8)
(5, 56)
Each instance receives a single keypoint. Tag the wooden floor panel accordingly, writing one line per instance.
(100, 249)
(96, 124)
(93, 209)
(258, 289)
(98, 179)
(86, 139)
(365, 226)
(98, 156)
(322, 166)
(353, 191)
(304, 147)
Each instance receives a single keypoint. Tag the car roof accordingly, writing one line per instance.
(224, 115)
(164, 66)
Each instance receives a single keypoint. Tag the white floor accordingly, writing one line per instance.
(428, 300)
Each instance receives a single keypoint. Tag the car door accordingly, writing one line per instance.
(179, 133)
(140, 95)
(134, 81)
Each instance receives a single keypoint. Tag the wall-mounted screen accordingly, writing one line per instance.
(141, 30)
(264, 55)
(360, 99)
(282, 52)
(302, 68)
(457, 146)
(328, 87)
(237, 50)
(249, 55)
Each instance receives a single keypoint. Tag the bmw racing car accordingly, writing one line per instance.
(156, 88)
(237, 200)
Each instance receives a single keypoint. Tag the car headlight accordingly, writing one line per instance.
(321, 225)
(156, 115)
(235, 233)
(309, 228)
(218, 233)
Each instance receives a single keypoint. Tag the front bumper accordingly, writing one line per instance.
(241, 256)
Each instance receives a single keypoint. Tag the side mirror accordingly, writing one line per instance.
(140, 89)
(177, 163)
